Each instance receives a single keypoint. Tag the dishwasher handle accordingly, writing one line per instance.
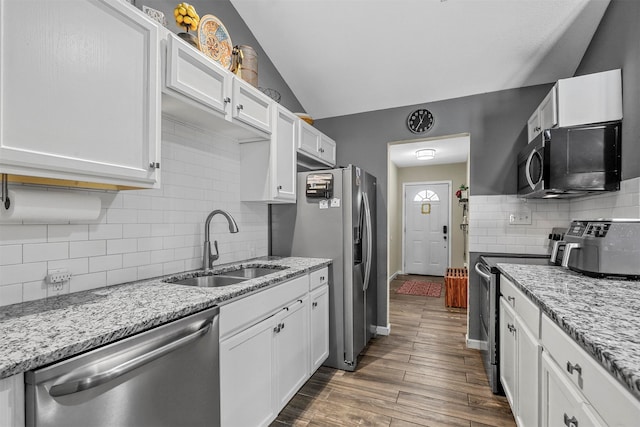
(128, 366)
(482, 270)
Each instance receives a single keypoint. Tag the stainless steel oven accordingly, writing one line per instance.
(487, 268)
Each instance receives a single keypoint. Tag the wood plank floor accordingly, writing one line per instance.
(420, 375)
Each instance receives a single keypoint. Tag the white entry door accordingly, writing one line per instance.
(426, 231)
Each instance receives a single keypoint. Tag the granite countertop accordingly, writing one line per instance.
(601, 315)
(40, 332)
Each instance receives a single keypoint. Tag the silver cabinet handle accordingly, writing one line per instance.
(227, 100)
(154, 165)
(240, 107)
(570, 422)
(128, 366)
(512, 300)
(511, 327)
(576, 367)
(279, 187)
(322, 278)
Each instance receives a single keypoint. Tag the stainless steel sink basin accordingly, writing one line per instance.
(210, 281)
(249, 272)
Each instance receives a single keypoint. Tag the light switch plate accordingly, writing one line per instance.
(520, 218)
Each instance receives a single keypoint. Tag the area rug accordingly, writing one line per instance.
(417, 287)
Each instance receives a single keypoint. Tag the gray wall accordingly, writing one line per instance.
(616, 44)
(268, 75)
(496, 122)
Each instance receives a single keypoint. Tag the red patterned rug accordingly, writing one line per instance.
(417, 287)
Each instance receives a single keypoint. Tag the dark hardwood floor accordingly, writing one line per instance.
(420, 375)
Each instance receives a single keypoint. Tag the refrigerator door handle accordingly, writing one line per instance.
(367, 211)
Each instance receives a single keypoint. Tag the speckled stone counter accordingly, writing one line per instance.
(37, 333)
(601, 315)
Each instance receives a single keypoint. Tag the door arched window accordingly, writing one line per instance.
(426, 196)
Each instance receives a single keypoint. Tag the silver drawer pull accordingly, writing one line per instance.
(511, 327)
(576, 367)
(240, 107)
(570, 422)
(512, 300)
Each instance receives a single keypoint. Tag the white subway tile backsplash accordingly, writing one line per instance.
(45, 251)
(136, 259)
(10, 254)
(149, 271)
(120, 246)
(73, 265)
(88, 281)
(67, 233)
(11, 234)
(122, 216)
(105, 231)
(10, 294)
(149, 243)
(34, 290)
(124, 275)
(104, 263)
(87, 249)
(20, 273)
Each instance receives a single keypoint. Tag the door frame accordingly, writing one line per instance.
(404, 218)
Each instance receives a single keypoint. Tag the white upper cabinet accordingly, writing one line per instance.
(316, 146)
(269, 166)
(80, 93)
(251, 106)
(198, 91)
(588, 99)
(191, 74)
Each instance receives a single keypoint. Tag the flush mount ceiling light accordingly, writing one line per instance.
(425, 154)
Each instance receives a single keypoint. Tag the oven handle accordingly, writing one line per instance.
(486, 274)
(128, 366)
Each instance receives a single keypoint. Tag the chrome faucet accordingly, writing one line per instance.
(207, 257)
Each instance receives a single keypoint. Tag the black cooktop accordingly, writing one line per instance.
(492, 261)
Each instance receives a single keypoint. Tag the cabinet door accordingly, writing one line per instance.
(195, 76)
(533, 126)
(562, 404)
(83, 91)
(508, 353)
(309, 139)
(548, 110)
(12, 401)
(319, 327)
(328, 150)
(528, 352)
(251, 106)
(283, 155)
(292, 351)
(246, 376)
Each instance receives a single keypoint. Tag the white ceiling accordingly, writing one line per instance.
(454, 149)
(349, 56)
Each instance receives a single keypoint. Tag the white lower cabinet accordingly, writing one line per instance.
(12, 401)
(292, 353)
(266, 342)
(246, 363)
(519, 354)
(561, 402)
(319, 326)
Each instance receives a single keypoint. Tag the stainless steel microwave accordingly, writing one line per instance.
(569, 162)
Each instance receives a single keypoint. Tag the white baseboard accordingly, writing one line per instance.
(383, 330)
(394, 275)
(477, 344)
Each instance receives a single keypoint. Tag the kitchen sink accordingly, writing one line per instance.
(210, 281)
(250, 272)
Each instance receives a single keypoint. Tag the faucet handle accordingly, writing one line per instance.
(216, 255)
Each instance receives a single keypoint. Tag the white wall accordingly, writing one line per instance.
(143, 233)
(490, 231)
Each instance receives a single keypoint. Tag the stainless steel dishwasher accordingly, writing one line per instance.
(167, 376)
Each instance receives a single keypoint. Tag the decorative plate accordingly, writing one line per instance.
(215, 41)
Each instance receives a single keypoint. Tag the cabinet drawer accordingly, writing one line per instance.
(523, 306)
(610, 399)
(318, 278)
(247, 311)
(562, 404)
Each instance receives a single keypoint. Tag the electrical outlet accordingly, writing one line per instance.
(58, 276)
(520, 218)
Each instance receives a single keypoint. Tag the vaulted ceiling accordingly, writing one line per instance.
(343, 57)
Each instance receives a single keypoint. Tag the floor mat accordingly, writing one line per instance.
(417, 287)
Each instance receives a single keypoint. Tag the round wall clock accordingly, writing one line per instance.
(420, 121)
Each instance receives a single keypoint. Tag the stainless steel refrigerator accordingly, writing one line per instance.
(335, 217)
